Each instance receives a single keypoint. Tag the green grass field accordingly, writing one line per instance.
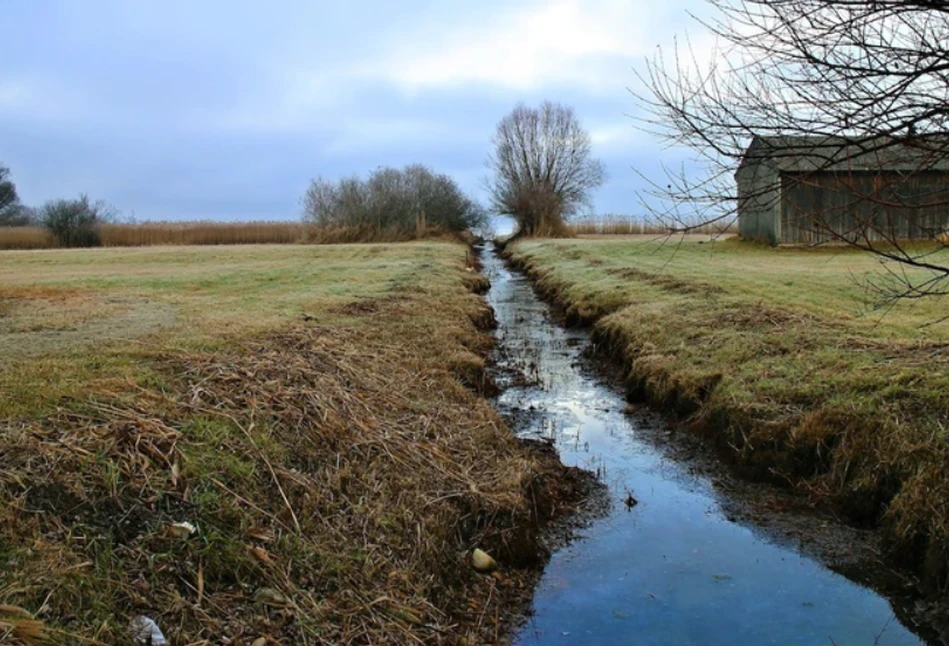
(831, 282)
(71, 318)
(310, 410)
(781, 358)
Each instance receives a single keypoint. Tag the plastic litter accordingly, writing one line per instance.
(146, 631)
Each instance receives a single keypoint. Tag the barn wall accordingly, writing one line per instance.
(822, 207)
(758, 202)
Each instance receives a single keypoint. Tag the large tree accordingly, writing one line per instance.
(543, 169)
(867, 76)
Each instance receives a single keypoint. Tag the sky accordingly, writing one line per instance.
(226, 109)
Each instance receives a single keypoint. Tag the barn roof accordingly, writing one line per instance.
(810, 154)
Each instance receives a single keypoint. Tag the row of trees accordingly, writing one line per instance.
(72, 222)
(542, 173)
(391, 203)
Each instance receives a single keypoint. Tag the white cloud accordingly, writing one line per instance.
(526, 48)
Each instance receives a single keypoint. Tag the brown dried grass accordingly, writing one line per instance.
(338, 477)
(201, 233)
(166, 233)
(219, 233)
(25, 238)
(619, 225)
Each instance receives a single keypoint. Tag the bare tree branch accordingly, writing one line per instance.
(857, 84)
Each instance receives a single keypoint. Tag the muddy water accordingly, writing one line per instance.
(676, 568)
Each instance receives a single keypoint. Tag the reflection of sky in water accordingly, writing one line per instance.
(673, 570)
(502, 225)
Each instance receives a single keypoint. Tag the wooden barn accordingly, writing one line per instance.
(806, 190)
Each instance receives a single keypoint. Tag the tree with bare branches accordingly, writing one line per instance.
(542, 166)
(855, 81)
(391, 203)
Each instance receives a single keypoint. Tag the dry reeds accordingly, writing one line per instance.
(808, 400)
(222, 233)
(201, 233)
(620, 225)
(166, 233)
(25, 238)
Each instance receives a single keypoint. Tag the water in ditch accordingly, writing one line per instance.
(676, 568)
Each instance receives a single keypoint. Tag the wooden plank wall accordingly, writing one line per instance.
(822, 207)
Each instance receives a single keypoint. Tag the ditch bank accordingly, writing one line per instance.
(827, 457)
(324, 482)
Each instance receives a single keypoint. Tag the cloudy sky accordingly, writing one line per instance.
(224, 109)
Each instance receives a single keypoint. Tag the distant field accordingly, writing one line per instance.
(780, 357)
(308, 409)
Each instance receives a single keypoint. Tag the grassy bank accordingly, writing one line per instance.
(777, 358)
(309, 410)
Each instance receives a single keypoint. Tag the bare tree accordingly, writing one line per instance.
(390, 203)
(543, 170)
(855, 84)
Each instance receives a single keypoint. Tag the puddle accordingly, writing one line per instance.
(682, 566)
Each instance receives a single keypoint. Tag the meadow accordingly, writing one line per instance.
(782, 359)
(273, 441)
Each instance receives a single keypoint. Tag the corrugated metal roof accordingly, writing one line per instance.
(810, 154)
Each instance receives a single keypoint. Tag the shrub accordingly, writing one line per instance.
(75, 223)
(391, 203)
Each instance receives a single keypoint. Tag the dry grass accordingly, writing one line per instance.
(201, 233)
(778, 357)
(313, 429)
(622, 225)
(218, 233)
(167, 233)
(25, 238)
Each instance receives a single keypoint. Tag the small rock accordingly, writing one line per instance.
(482, 562)
(260, 641)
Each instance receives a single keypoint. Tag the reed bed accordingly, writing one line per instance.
(201, 233)
(167, 233)
(223, 233)
(618, 225)
(25, 238)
